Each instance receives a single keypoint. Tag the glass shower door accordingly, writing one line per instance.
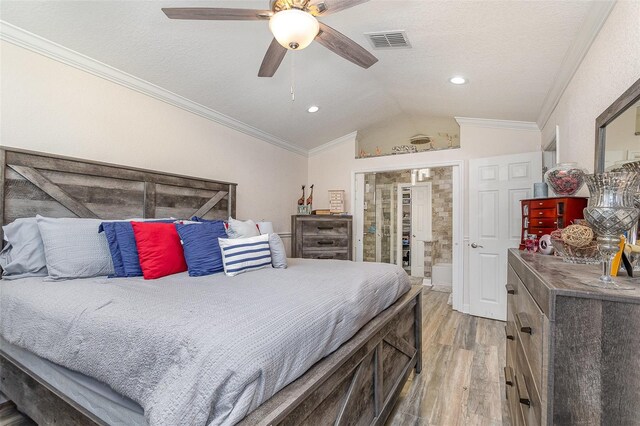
(380, 218)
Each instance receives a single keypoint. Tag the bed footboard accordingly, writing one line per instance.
(361, 381)
(357, 384)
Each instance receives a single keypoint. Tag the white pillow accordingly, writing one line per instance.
(278, 253)
(240, 229)
(245, 254)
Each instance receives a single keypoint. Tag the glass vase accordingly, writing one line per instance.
(611, 212)
(565, 178)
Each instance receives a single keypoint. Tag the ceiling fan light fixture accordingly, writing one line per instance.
(294, 29)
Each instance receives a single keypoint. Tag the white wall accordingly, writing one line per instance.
(611, 65)
(52, 107)
(331, 168)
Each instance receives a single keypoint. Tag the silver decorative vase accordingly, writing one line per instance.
(611, 212)
(633, 166)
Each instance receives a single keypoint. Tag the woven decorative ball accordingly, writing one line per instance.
(577, 235)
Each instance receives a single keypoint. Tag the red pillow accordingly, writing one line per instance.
(159, 249)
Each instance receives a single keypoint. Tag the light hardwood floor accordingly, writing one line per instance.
(462, 379)
(461, 382)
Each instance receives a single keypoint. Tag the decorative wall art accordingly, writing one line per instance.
(403, 135)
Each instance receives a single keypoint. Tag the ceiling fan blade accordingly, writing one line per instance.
(342, 45)
(216, 13)
(272, 60)
(327, 7)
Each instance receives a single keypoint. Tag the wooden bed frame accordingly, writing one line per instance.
(357, 384)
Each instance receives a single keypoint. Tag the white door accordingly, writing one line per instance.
(420, 226)
(496, 186)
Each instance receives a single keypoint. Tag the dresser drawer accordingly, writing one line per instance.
(325, 241)
(322, 228)
(512, 398)
(529, 325)
(543, 223)
(536, 213)
(526, 392)
(325, 254)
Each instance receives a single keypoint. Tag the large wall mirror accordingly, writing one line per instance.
(618, 131)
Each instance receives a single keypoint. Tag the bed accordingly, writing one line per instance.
(359, 364)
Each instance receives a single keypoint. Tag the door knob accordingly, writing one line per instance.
(474, 245)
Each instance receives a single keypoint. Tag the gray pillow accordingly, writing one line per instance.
(240, 229)
(23, 256)
(74, 248)
(278, 253)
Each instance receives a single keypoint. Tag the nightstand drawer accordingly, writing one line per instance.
(325, 241)
(326, 254)
(320, 227)
(321, 237)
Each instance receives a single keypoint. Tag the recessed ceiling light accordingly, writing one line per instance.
(458, 80)
(313, 108)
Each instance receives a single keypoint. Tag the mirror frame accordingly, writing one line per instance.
(628, 98)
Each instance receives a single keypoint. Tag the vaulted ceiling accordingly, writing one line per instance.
(510, 51)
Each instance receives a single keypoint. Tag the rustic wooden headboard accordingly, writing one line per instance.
(55, 186)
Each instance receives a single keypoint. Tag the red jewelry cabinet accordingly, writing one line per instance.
(541, 216)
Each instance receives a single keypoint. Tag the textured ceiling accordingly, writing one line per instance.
(510, 51)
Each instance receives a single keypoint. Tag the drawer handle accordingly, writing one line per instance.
(508, 376)
(541, 203)
(523, 323)
(510, 289)
(523, 393)
(326, 242)
(507, 331)
(324, 228)
(325, 257)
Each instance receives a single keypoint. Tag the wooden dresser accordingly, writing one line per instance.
(573, 352)
(322, 237)
(542, 216)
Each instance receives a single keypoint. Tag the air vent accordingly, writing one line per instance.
(389, 40)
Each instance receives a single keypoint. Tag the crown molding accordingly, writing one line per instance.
(593, 22)
(22, 38)
(498, 124)
(346, 138)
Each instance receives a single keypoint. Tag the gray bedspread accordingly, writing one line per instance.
(196, 351)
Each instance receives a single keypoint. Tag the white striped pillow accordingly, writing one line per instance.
(245, 254)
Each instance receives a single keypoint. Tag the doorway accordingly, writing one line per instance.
(408, 217)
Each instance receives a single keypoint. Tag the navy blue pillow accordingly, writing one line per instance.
(201, 248)
(127, 245)
(199, 219)
(110, 232)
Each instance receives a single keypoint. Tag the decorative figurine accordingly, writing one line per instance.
(310, 199)
(301, 199)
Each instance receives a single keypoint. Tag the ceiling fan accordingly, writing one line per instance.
(294, 26)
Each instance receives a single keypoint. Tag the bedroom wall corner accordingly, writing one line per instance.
(52, 107)
(609, 68)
